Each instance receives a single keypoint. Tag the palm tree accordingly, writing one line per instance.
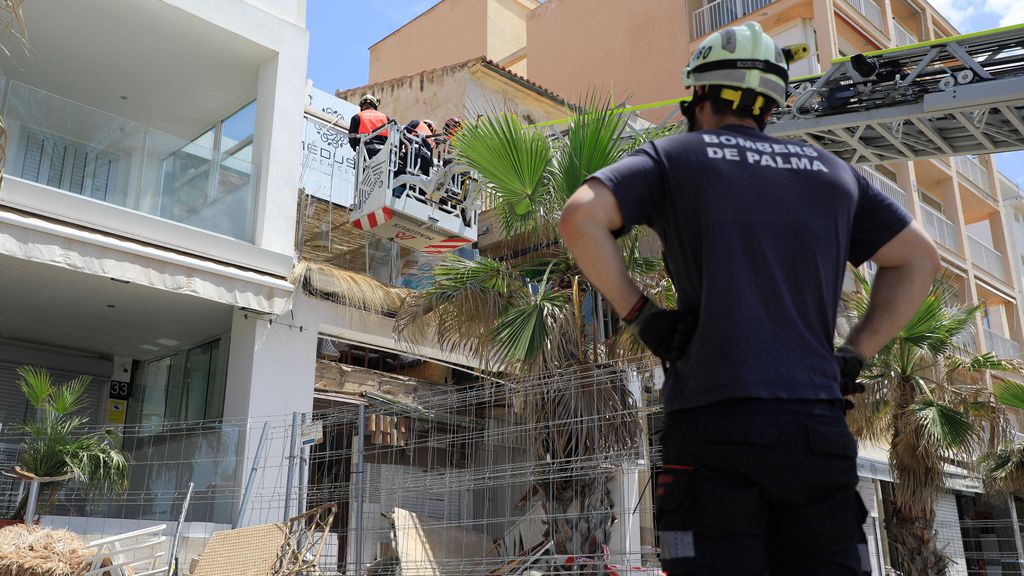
(54, 446)
(522, 314)
(928, 399)
(1003, 467)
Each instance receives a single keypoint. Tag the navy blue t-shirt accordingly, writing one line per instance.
(757, 232)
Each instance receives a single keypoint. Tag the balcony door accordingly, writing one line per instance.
(67, 165)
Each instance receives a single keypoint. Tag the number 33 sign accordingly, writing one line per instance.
(120, 390)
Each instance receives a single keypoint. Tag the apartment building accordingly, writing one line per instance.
(147, 223)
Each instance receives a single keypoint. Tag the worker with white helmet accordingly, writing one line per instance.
(759, 469)
(366, 121)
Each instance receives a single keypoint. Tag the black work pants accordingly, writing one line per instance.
(755, 487)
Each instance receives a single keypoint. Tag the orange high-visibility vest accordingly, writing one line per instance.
(423, 131)
(370, 120)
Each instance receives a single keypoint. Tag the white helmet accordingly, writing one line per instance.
(741, 57)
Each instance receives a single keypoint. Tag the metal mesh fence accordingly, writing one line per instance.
(544, 475)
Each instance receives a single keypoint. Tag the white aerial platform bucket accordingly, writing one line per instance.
(433, 212)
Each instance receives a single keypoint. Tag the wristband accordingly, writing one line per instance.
(638, 307)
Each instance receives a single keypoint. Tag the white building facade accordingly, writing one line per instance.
(147, 228)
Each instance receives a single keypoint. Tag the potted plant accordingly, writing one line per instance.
(55, 446)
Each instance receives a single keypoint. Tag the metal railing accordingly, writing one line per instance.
(887, 186)
(976, 173)
(871, 10)
(967, 341)
(939, 228)
(1000, 345)
(1007, 188)
(721, 12)
(902, 36)
(987, 257)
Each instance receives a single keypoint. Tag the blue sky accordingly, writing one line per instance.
(341, 33)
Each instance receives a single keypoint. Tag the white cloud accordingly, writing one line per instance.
(960, 12)
(1008, 11)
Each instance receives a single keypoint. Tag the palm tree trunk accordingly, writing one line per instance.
(916, 541)
(580, 518)
(918, 473)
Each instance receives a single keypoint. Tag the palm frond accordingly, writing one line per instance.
(1009, 393)
(514, 161)
(70, 397)
(461, 306)
(592, 141)
(639, 266)
(1003, 469)
(945, 427)
(36, 384)
(524, 332)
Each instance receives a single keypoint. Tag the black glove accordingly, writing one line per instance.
(666, 333)
(850, 362)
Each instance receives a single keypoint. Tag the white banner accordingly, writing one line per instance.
(328, 163)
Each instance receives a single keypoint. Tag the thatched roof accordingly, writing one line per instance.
(347, 288)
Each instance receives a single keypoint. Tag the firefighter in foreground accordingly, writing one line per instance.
(759, 468)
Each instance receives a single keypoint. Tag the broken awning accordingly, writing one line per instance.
(48, 242)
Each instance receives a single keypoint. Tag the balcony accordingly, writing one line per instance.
(976, 173)
(1000, 345)
(721, 13)
(987, 257)
(902, 36)
(208, 183)
(940, 229)
(869, 9)
(966, 341)
(888, 187)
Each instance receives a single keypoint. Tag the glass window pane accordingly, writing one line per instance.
(198, 374)
(154, 390)
(238, 127)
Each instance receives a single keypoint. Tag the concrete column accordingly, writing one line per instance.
(888, 22)
(624, 540)
(280, 98)
(825, 32)
(929, 32)
(271, 368)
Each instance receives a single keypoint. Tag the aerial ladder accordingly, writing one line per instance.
(947, 97)
(430, 207)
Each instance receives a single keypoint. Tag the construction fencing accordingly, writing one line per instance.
(546, 475)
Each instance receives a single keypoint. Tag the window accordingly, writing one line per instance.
(67, 165)
(186, 387)
(210, 182)
(931, 202)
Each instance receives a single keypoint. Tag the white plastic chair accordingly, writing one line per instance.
(142, 550)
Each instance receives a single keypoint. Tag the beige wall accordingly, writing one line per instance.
(462, 90)
(451, 31)
(434, 94)
(506, 27)
(637, 48)
(487, 91)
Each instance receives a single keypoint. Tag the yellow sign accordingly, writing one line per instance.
(116, 411)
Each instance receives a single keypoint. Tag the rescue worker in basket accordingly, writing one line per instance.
(366, 121)
(424, 153)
